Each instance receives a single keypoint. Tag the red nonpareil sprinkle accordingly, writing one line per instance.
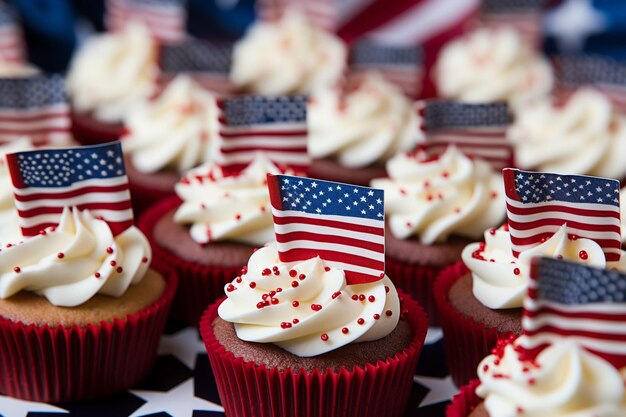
(42, 232)
(266, 272)
(531, 381)
(429, 197)
(361, 297)
(516, 271)
(230, 288)
(426, 184)
(505, 227)
(316, 307)
(402, 191)
(371, 298)
(262, 208)
(52, 228)
(238, 216)
(295, 321)
(386, 288)
(260, 305)
(327, 268)
(119, 269)
(295, 303)
(336, 294)
(279, 289)
(485, 368)
(494, 195)
(285, 325)
(519, 410)
(244, 270)
(109, 250)
(355, 297)
(60, 255)
(301, 277)
(275, 301)
(376, 316)
(97, 275)
(388, 313)
(294, 284)
(457, 210)
(361, 320)
(492, 231)
(293, 273)
(324, 337)
(409, 225)
(253, 285)
(17, 270)
(382, 275)
(583, 255)
(345, 330)
(9, 245)
(573, 237)
(238, 280)
(112, 263)
(445, 174)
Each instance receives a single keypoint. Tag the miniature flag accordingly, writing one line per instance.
(400, 65)
(275, 126)
(477, 130)
(89, 177)
(341, 223)
(165, 19)
(525, 16)
(538, 203)
(207, 62)
(36, 107)
(11, 40)
(579, 302)
(604, 73)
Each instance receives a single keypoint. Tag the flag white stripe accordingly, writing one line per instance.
(59, 122)
(282, 229)
(109, 197)
(109, 215)
(280, 157)
(347, 219)
(265, 141)
(582, 324)
(267, 127)
(93, 182)
(605, 346)
(530, 218)
(352, 267)
(310, 244)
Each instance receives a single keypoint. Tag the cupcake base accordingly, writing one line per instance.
(72, 363)
(331, 170)
(250, 388)
(88, 130)
(466, 403)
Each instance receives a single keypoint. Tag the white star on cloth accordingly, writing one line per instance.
(20, 408)
(183, 345)
(441, 389)
(572, 22)
(180, 401)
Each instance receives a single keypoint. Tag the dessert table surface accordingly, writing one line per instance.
(181, 385)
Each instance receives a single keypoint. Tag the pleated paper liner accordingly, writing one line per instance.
(87, 130)
(58, 364)
(376, 389)
(467, 341)
(418, 281)
(199, 285)
(465, 401)
(143, 197)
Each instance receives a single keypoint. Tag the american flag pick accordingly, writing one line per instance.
(477, 130)
(322, 13)
(538, 203)
(341, 223)
(400, 65)
(11, 40)
(571, 300)
(36, 107)
(275, 126)
(165, 19)
(525, 16)
(207, 62)
(88, 177)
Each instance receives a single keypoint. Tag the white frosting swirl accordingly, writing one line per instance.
(113, 72)
(491, 65)
(289, 56)
(9, 229)
(565, 380)
(369, 124)
(503, 282)
(10, 69)
(310, 314)
(432, 199)
(585, 136)
(69, 264)
(176, 130)
(235, 208)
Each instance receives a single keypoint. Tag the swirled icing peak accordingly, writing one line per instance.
(501, 281)
(564, 380)
(234, 208)
(369, 124)
(176, 130)
(585, 136)
(305, 307)
(113, 72)
(72, 262)
(434, 198)
(287, 57)
(492, 65)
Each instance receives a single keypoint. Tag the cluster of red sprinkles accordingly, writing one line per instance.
(522, 355)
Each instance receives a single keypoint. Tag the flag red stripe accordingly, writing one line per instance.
(26, 131)
(16, 116)
(267, 147)
(122, 205)
(260, 132)
(609, 212)
(377, 231)
(73, 193)
(327, 238)
(560, 221)
(294, 255)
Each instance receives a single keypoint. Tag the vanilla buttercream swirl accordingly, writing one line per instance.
(305, 307)
(290, 56)
(227, 207)
(434, 198)
(491, 65)
(74, 261)
(564, 380)
(367, 125)
(176, 130)
(501, 281)
(113, 72)
(585, 136)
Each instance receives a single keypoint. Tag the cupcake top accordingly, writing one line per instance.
(433, 198)
(367, 125)
(113, 72)
(585, 136)
(70, 263)
(177, 130)
(227, 207)
(501, 281)
(306, 307)
(564, 380)
(286, 57)
(491, 65)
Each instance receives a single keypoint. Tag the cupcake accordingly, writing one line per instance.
(352, 135)
(209, 230)
(303, 58)
(109, 75)
(434, 208)
(496, 66)
(166, 137)
(308, 344)
(585, 135)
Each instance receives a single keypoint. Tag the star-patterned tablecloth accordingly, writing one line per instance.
(181, 384)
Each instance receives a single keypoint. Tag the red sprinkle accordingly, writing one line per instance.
(238, 279)
(274, 300)
(266, 272)
(293, 273)
(485, 368)
(60, 255)
(42, 232)
(301, 277)
(97, 275)
(382, 275)
(345, 330)
(279, 289)
(583, 255)
(295, 321)
(17, 270)
(113, 263)
(492, 231)
(316, 307)
(253, 285)
(324, 337)
(371, 298)
(327, 268)
(386, 288)
(445, 174)
(260, 305)
(295, 303)
(109, 250)
(230, 288)
(336, 294)
(361, 297)
(388, 313)
(238, 216)
(295, 284)
(516, 271)
(285, 325)
(376, 316)
(361, 320)
(355, 297)
(119, 269)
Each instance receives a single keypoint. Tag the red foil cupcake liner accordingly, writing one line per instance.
(58, 364)
(417, 281)
(467, 341)
(199, 285)
(381, 389)
(465, 401)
